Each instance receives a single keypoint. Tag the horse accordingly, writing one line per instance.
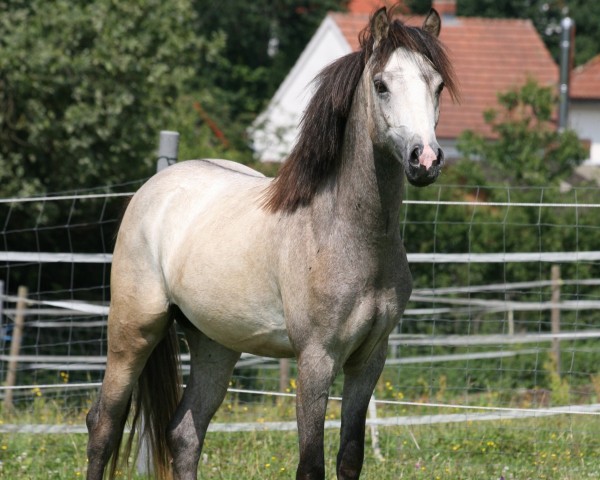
(309, 264)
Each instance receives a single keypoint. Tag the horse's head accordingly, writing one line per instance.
(407, 71)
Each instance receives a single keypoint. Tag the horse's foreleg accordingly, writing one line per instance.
(316, 371)
(360, 379)
(211, 368)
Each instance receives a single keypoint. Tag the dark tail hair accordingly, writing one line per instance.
(155, 399)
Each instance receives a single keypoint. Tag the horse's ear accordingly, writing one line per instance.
(380, 26)
(433, 23)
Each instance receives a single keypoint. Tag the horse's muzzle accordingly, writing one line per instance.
(424, 164)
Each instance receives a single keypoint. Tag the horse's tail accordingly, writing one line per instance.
(155, 399)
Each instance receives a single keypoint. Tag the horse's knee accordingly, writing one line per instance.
(180, 441)
(91, 419)
(183, 440)
(99, 433)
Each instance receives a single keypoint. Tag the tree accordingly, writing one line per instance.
(528, 147)
(587, 29)
(85, 86)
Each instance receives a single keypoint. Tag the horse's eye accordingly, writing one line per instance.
(380, 86)
(438, 92)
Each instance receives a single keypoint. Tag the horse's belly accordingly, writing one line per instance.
(233, 303)
(233, 299)
(259, 332)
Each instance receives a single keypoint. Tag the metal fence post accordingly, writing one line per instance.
(566, 64)
(168, 149)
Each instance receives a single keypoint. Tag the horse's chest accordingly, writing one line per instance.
(377, 304)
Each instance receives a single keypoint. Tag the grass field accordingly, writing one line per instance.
(557, 448)
(560, 447)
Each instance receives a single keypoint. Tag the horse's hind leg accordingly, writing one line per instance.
(132, 336)
(106, 420)
(211, 368)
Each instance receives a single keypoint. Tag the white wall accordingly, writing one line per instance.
(584, 118)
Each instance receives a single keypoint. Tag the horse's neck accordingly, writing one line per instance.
(368, 189)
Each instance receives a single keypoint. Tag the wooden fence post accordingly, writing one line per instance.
(374, 430)
(555, 314)
(284, 374)
(1, 300)
(510, 315)
(15, 347)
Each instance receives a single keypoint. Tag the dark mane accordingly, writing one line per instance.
(316, 156)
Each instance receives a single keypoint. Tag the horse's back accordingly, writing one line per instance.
(196, 175)
(233, 166)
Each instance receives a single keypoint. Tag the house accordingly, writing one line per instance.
(489, 56)
(584, 106)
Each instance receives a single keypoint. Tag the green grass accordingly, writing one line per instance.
(553, 448)
(558, 448)
(565, 447)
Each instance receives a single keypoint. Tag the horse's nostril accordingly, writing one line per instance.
(440, 157)
(414, 155)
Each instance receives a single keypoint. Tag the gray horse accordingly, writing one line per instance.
(309, 265)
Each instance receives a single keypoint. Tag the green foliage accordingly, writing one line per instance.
(484, 228)
(586, 15)
(85, 87)
(559, 387)
(528, 148)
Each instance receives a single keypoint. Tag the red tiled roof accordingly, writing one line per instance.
(363, 6)
(585, 81)
(370, 6)
(489, 56)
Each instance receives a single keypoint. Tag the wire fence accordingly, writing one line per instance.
(503, 321)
